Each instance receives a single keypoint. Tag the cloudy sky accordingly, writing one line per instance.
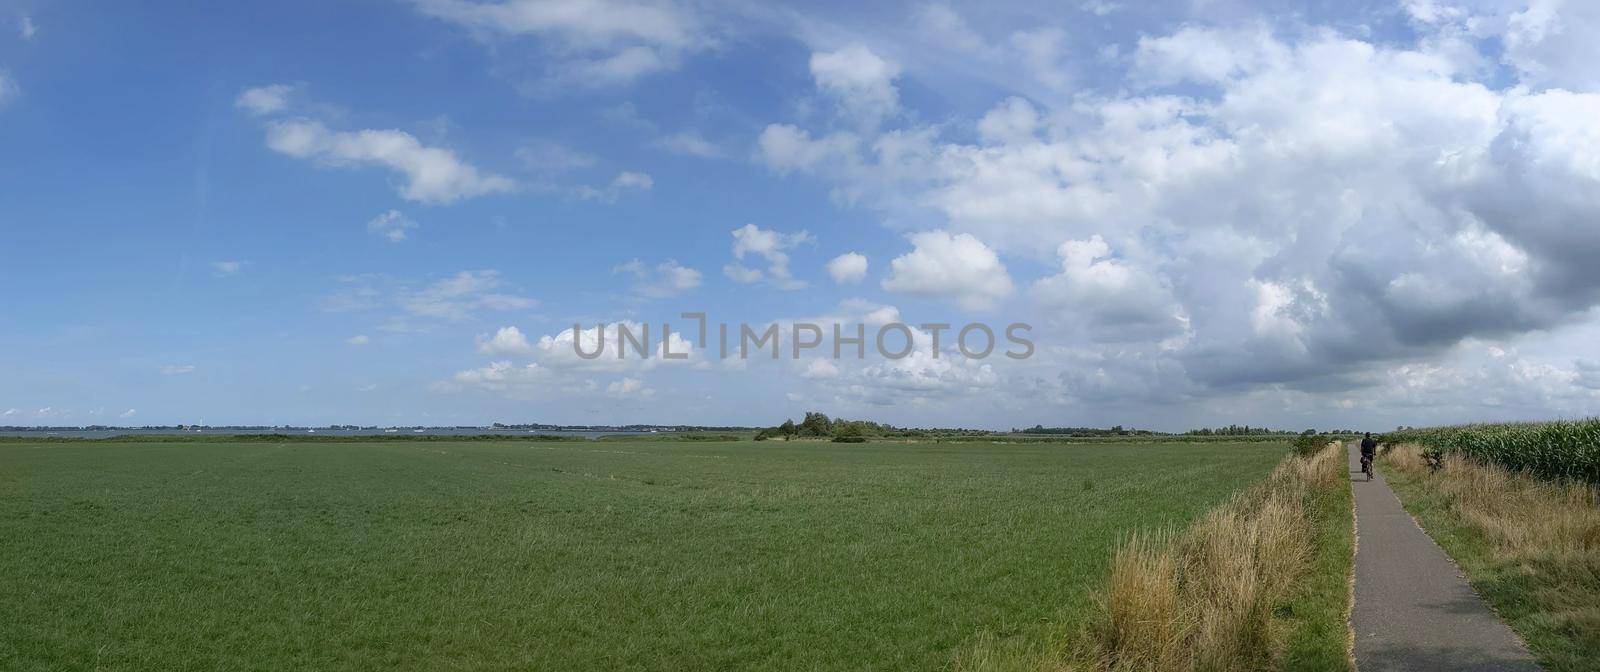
(1210, 211)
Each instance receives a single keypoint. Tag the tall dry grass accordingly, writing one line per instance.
(1530, 545)
(1204, 599)
(1522, 517)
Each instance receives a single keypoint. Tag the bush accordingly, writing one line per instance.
(849, 439)
(1309, 442)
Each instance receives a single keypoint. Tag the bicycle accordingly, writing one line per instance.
(1366, 466)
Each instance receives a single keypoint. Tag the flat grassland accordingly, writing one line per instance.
(625, 555)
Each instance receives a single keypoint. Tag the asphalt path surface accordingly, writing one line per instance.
(1413, 609)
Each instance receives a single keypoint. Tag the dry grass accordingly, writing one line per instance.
(1206, 599)
(1524, 518)
(1531, 546)
(1258, 582)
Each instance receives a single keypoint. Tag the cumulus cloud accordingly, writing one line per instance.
(1112, 297)
(431, 174)
(629, 388)
(860, 81)
(848, 268)
(391, 226)
(128, 413)
(506, 341)
(1551, 42)
(771, 246)
(786, 148)
(358, 340)
(957, 268)
(1212, 225)
(499, 376)
(666, 279)
(615, 343)
(264, 100)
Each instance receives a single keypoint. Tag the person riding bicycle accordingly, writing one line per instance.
(1369, 450)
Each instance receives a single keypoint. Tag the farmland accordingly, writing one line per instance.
(1565, 450)
(571, 555)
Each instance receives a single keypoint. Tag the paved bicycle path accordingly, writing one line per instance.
(1413, 609)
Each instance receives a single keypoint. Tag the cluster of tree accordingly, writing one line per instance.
(1085, 432)
(1237, 430)
(622, 428)
(819, 426)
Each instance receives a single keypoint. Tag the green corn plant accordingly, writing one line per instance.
(1561, 450)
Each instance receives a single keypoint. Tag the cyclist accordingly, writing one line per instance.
(1369, 449)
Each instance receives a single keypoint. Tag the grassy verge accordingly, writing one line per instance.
(1260, 582)
(1318, 616)
(1530, 547)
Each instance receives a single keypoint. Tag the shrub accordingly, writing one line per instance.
(849, 439)
(1309, 442)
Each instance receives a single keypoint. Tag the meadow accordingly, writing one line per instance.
(617, 555)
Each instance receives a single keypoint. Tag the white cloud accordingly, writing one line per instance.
(820, 369)
(1043, 53)
(8, 87)
(861, 82)
(629, 388)
(958, 268)
(558, 352)
(1216, 231)
(501, 376)
(358, 340)
(590, 43)
(391, 226)
(770, 246)
(848, 268)
(224, 269)
(947, 27)
(1014, 121)
(625, 181)
(1112, 297)
(506, 341)
(459, 296)
(264, 100)
(432, 174)
(26, 27)
(631, 180)
(665, 279)
(128, 413)
(785, 148)
(177, 369)
(1552, 43)
(690, 143)
(551, 157)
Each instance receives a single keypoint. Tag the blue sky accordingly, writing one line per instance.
(1353, 214)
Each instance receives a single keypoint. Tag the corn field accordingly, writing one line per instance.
(1551, 450)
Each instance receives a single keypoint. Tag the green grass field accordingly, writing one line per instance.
(592, 555)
